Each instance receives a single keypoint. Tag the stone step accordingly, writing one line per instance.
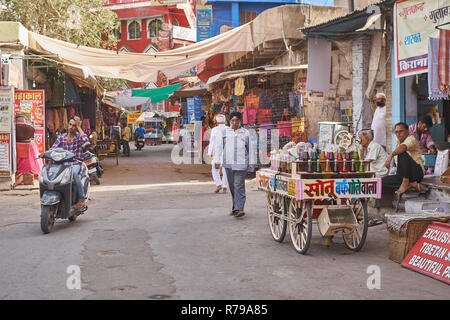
(417, 205)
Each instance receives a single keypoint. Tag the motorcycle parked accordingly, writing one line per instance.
(95, 169)
(58, 190)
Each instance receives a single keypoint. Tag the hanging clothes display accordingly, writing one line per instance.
(65, 119)
(56, 119)
(444, 61)
(296, 106)
(239, 86)
(57, 98)
(49, 120)
(265, 100)
(70, 96)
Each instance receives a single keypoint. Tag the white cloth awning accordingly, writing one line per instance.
(144, 67)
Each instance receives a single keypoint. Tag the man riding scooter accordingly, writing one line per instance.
(73, 142)
(139, 132)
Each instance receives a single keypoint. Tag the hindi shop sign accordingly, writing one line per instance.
(415, 22)
(277, 184)
(431, 254)
(331, 189)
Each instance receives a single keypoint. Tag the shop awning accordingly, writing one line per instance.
(263, 70)
(148, 116)
(190, 92)
(158, 94)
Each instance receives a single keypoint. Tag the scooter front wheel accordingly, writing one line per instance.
(48, 217)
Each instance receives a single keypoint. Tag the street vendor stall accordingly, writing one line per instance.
(332, 189)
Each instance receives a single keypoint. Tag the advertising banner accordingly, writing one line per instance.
(204, 24)
(431, 253)
(5, 160)
(132, 117)
(32, 102)
(6, 110)
(414, 22)
(163, 40)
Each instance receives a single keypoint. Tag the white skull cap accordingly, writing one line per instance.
(380, 95)
(220, 118)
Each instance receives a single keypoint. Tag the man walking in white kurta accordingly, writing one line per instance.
(216, 135)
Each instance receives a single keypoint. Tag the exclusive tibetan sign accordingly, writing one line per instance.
(431, 253)
(415, 21)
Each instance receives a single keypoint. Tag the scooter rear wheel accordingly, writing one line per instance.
(48, 217)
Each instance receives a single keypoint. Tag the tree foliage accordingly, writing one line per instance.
(83, 22)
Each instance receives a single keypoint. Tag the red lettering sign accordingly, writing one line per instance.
(431, 254)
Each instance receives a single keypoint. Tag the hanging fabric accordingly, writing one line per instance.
(444, 61)
(249, 117)
(239, 86)
(284, 126)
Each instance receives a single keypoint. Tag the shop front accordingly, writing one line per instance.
(271, 100)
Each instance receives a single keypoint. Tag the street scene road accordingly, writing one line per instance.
(155, 230)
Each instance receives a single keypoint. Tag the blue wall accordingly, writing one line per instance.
(223, 9)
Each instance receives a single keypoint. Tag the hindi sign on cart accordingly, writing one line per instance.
(340, 188)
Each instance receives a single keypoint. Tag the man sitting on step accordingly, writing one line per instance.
(410, 169)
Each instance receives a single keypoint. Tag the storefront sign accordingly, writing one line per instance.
(431, 253)
(182, 33)
(33, 103)
(5, 161)
(105, 147)
(132, 117)
(204, 24)
(340, 188)
(414, 22)
(6, 110)
(163, 40)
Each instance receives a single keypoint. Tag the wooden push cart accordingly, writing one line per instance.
(337, 201)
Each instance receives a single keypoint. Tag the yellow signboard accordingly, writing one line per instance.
(132, 117)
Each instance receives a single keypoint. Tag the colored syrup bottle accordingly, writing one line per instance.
(340, 162)
(362, 167)
(357, 162)
(333, 164)
(353, 165)
(322, 160)
(305, 161)
(348, 162)
(315, 162)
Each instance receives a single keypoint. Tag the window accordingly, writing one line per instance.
(246, 16)
(134, 30)
(154, 26)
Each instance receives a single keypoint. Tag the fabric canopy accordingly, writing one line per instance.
(131, 101)
(150, 93)
(143, 67)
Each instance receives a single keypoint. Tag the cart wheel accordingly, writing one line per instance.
(276, 204)
(301, 232)
(355, 240)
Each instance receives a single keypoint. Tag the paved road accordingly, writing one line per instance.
(155, 230)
